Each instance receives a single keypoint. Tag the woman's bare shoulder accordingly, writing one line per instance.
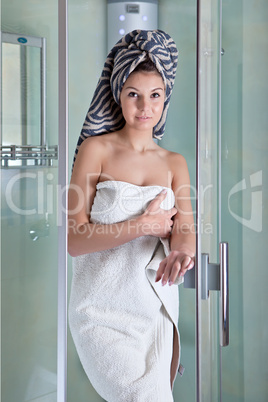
(174, 159)
(177, 165)
(94, 143)
(91, 154)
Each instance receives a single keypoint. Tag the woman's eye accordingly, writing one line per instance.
(155, 95)
(132, 94)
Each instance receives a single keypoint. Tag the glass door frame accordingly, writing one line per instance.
(198, 210)
(221, 336)
(201, 75)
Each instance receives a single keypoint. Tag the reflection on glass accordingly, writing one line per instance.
(23, 101)
(21, 95)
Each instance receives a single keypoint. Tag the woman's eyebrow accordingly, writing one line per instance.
(152, 90)
(132, 88)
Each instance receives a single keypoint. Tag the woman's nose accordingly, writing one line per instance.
(143, 104)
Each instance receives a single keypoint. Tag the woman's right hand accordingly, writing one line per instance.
(155, 220)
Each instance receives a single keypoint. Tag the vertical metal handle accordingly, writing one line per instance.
(224, 295)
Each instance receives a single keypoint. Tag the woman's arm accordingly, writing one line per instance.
(183, 238)
(85, 237)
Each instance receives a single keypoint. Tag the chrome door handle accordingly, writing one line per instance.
(214, 277)
(224, 294)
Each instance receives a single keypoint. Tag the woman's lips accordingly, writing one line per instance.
(143, 117)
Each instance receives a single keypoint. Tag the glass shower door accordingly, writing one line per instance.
(232, 193)
(244, 146)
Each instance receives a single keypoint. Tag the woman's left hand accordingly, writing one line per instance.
(173, 266)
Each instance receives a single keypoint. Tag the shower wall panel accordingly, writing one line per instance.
(29, 234)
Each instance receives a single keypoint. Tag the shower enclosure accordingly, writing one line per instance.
(217, 119)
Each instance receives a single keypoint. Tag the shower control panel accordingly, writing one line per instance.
(125, 16)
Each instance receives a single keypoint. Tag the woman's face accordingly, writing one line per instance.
(142, 100)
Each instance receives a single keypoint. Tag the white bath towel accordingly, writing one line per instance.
(115, 305)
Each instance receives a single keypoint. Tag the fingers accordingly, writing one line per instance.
(165, 270)
(160, 197)
(172, 267)
(154, 206)
(160, 270)
(159, 220)
(186, 264)
(173, 211)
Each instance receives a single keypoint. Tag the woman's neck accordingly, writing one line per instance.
(138, 140)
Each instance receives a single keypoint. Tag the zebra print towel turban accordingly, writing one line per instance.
(105, 114)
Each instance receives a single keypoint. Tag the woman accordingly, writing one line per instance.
(130, 227)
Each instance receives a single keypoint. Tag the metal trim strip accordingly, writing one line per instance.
(62, 206)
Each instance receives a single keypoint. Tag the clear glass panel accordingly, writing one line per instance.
(179, 20)
(21, 94)
(244, 197)
(208, 195)
(11, 106)
(29, 221)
